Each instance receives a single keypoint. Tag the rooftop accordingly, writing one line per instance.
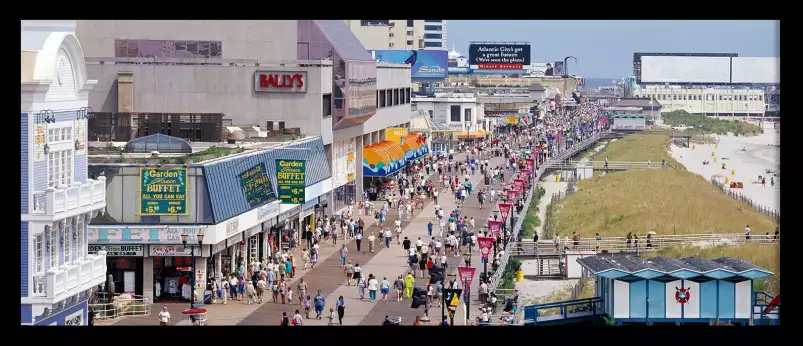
(638, 102)
(620, 265)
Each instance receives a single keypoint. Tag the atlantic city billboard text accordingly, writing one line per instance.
(498, 56)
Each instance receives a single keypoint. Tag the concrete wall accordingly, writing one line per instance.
(389, 76)
(242, 39)
(214, 89)
(442, 113)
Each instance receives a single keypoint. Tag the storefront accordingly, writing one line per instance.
(284, 235)
(123, 262)
(173, 271)
(307, 217)
(344, 174)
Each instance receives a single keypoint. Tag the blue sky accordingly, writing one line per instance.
(604, 48)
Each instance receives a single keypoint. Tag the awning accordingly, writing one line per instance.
(480, 133)
(414, 146)
(382, 159)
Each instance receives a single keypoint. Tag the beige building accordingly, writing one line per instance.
(708, 101)
(410, 34)
(566, 85)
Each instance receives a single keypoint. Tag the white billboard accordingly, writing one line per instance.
(756, 70)
(685, 69)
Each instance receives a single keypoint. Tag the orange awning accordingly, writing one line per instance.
(476, 134)
(383, 158)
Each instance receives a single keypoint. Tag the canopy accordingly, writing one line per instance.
(480, 133)
(382, 159)
(414, 146)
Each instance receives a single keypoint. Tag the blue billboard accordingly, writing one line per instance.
(429, 64)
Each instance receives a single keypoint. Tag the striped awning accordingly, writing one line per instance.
(382, 159)
(414, 146)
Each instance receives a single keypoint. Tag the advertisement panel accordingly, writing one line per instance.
(685, 69)
(756, 70)
(256, 185)
(498, 56)
(163, 191)
(396, 134)
(39, 142)
(486, 245)
(514, 120)
(494, 227)
(291, 178)
(343, 162)
(558, 69)
(425, 63)
(504, 210)
(80, 137)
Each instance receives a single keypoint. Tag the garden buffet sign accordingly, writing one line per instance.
(163, 191)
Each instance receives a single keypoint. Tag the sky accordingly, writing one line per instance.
(604, 48)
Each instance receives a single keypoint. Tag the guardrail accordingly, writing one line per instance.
(744, 199)
(620, 244)
(613, 165)
(53, 200)
(121, 305)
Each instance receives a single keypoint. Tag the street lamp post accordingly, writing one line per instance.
(467, 293)
(496, 213)
(446, 292)
(200, 237)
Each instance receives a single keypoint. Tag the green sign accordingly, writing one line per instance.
(163, 191)
(291, 179)
(256, 185)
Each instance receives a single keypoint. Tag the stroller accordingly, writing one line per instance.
(393, 322)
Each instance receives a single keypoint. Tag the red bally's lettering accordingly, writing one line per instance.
(281, 81)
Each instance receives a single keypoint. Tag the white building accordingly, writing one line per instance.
(58, 275)
(708, 101)
(409, 34)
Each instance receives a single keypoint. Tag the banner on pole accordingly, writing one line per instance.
(466, 275)
(530, 163)
(495, 227)
(519, 183)
(486, 245)
(511, 195)
(504, 210)
(453, 298)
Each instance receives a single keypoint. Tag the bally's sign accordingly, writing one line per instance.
(280, 81)
(119, 250)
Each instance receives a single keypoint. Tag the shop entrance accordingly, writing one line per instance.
(172, 277)
(127, 274)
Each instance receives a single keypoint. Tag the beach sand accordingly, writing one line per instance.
(761, 154)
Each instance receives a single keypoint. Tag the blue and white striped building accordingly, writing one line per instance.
(57, 200)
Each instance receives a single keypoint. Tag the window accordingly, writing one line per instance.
(761, 97)
(39, 253)
(674, 97)
(684, 97)
(432, 27)
(80, 247)
(390, 34)
(59, 168)
(720, 97)
(467, 115)
(431, 114)
(326, 99)
(409, 33)
(382, 97)
(409, 42)
(410, 23)
(51, 247)
(454, 114)
(433, 44)
(434, 36)
(395, 97)
(66, 241)
(375, 22)
(409, 91)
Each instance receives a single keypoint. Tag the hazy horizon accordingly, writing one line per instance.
(604, 48)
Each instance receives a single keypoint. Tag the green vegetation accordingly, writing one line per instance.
(206, 154)
(768, 257)
(531, 220)
(703, 124)
(665, 201)
(565, 295)
(508, 281)
(640, 147)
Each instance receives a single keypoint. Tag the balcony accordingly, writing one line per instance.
(68, 279)
(54, 201)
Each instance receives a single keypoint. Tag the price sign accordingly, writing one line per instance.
(163, 191)
(291, 179)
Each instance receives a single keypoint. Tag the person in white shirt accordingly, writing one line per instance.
(164, 317)
(409, 210)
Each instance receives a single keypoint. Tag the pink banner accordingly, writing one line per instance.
(466, 275)
(530, 163)
(495, 227)
(504, 210)
(519, 183)
(486, 245)
(511, 195)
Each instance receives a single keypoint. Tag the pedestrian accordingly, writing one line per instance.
(307, 305)
(747, 232)
(358, 240)
(409, 282)
(357, 272)
(341, 309)
(373, 286)
(314, 255)
(371, 240)
(361, 283)
(332, 316)
(164, 317)
(598, 239)
(384, 288)
(284, 322)
(429, 228)
(275, 292)
(388, 237)
(343, 253)
(251, 292)
(349, 272)
(320, 303)
(298, 321)
(302, 290)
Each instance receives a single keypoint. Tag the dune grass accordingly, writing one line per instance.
(665, 201)
(703, 124)
(640, 148)
(564, 295)
(765, 256)
(531, 219)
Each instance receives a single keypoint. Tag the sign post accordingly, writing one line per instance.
(466, 275)
(452, 297)
(291, 180)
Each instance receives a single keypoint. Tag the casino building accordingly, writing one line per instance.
(58, 274)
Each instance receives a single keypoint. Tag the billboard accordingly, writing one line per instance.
(685, 69)
(558, 70)
(396, 134)
(425, 63)
(163, 191)
(758, 70)
(498, 56)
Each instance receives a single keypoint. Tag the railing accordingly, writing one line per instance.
(121, 305)
(562, 310)
(620, 244)
(762, 301)
(744, 199)
(612, 165)
(62, 279)
(57, 200)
